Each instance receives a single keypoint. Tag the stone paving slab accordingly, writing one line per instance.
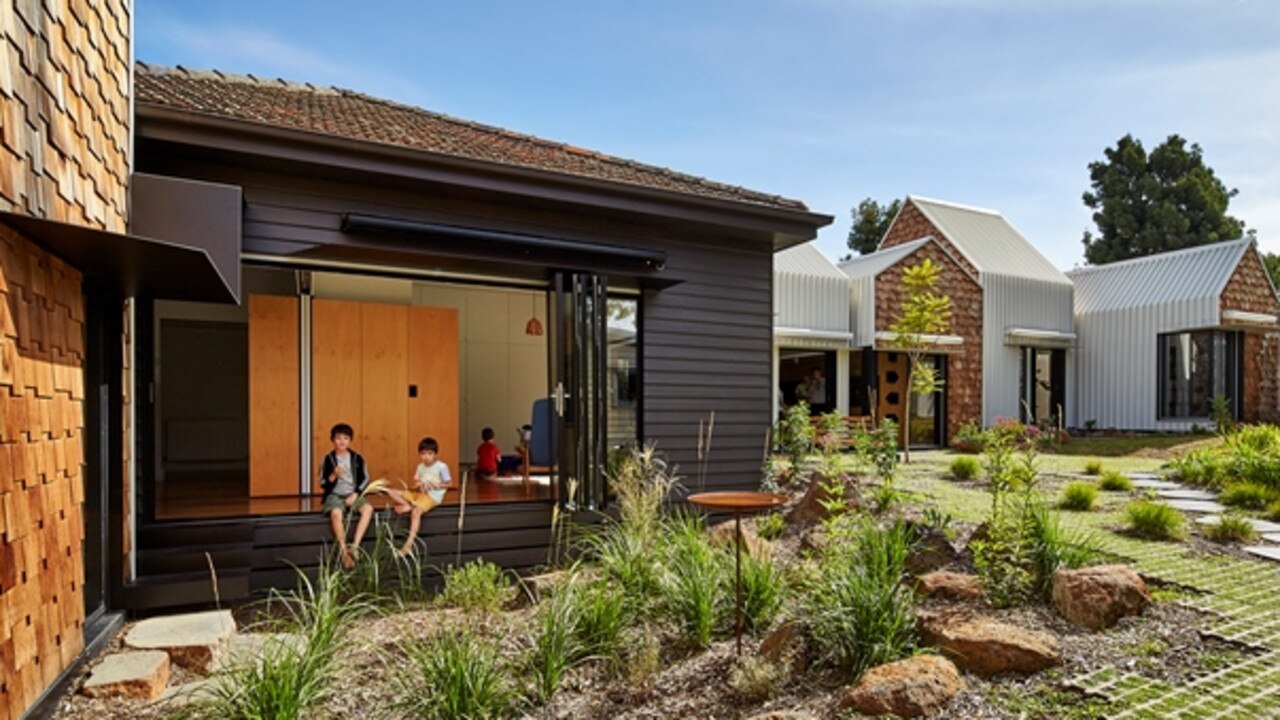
(194, 641)
(1181, 494)
(1153, 484)
(1136, 476)
(1263, 551)
(1196, 506)
(139, 674)
(186, 693)
(1271, 537)
(1262, 526)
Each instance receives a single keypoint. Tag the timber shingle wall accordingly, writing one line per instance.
(64, 144)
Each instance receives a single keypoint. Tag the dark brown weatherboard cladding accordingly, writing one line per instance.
(706, 335)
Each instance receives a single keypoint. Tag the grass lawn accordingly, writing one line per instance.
(1163, 447)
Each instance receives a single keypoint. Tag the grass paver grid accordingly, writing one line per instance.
(1243, 594)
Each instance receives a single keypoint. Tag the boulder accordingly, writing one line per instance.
(142, 674)
(195, 641)
(950, 586)
(985, 646)
(931, 551)
(721, 535)
(785, 645)
(914, 687)
(534, 588)
(1097, 597)
(812, 506)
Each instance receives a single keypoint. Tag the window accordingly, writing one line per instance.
(1194, 368)
(624, 371)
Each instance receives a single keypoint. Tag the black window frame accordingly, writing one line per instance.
(1234, 381)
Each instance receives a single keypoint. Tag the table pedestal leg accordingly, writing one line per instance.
(737, 571)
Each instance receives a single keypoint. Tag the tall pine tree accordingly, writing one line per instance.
(1146, 204)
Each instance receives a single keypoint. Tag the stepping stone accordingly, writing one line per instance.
(1187, 494)
(1196, 506)
(193, 640)
(1136, 476)
(1262, 526)
(180, 695)
(1154, 484)
(1264, 551)
(1272, 537)
(249, 647)
(143, 674)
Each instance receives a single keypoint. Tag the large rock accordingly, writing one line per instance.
(721, 535)
(1097, 597)
(931, 551)
(536, 588)
(195, 641)
(813, 506)
(914, 687)
(950, 586)
(985, 646)
(785, 645)
(143, 674)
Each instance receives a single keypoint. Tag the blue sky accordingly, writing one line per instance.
(999, 104)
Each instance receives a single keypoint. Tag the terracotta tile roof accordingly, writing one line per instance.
(356, 116)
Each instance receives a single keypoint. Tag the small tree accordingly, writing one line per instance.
(924, 314)
(871, 221)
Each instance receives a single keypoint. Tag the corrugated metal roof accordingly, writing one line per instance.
(805, 260)
(988, 240)
(1190, 274)
(877, 262)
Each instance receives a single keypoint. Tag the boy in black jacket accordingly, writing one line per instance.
(344, 476)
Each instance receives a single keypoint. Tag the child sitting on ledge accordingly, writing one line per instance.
(431, 480)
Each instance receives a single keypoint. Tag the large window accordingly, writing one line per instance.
(1196, 367)
(624, 371)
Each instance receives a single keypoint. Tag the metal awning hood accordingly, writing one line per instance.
(1035, 337)
(130, 264)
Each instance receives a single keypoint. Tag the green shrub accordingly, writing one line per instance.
(1154, 520)
(965, 467)
(298, 669)
(602, 616)
(1251, 454)
(1050, 546)
(454, 676)
(1273, 511)
(1248, 496)
(693, 584)
(794, 435)
(859, 611)
(771, 526)
(478, 585)
(555, 642)
(383, 573)
(1093, 467)
(1114, 481)
(764, 590)
(1078, 496)
(1231, 528)
(1003, 563)
(755, 679)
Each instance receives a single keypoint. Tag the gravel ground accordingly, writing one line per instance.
(1165, 644)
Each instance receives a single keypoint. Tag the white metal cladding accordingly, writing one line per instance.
(1197, 272)
(1025, 303)
(1122, 308)
(862, 272)
(809, 291)
(989, 241)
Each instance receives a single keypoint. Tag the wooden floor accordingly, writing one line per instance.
(224, 494)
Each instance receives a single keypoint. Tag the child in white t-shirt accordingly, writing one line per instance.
(432, 480)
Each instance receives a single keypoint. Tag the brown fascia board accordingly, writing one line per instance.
(785, 227)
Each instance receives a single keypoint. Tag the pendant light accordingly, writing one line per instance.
(534, 326)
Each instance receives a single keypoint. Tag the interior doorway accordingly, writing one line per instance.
(1042, 386)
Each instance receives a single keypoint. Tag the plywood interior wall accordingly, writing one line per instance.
(273, 395)
(365, 358)
(41, 471)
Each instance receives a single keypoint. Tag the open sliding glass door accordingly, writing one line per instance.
(579, 358)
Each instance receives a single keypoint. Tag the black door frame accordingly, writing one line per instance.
(579, 365)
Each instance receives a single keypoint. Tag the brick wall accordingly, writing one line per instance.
(41, 464)
(1249, 290)
(911, 224)
(64, 110)
(64, 144)
(964, 368)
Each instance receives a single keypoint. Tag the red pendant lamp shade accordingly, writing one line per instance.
(534, 326)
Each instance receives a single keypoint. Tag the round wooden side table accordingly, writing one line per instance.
(737, 502)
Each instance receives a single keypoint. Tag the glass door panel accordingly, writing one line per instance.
(579, 346)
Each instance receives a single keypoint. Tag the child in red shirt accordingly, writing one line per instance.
(487, 455)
